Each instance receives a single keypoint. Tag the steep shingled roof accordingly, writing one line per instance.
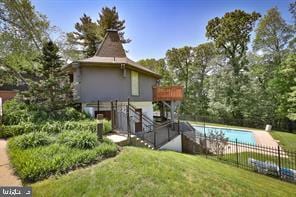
(111, 51)
(111, 46)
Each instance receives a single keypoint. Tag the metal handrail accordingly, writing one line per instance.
(143, 115)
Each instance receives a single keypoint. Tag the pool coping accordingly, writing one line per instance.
(261, 137)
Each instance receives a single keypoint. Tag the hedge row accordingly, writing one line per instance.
(18, 112)
(52, 127)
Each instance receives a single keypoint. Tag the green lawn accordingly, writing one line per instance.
(287, 140)
(144, 172)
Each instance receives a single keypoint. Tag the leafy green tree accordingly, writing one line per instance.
(292, 101)
(180, 64)
(22, 31)
(89, 34)
(204, 55)
(284, 84)
(272, 35)
(51, 89)
(160, 67)
(231, 34)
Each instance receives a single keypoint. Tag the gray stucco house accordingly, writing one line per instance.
(110, 75)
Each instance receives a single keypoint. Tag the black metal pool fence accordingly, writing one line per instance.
(273, 161)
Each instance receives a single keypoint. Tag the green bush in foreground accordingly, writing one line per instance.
(34, 139)
(37, 163)
(15, 130)
(78, 139)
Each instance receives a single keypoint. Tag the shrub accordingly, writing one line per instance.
(15, 130)
(34, 139)
(41, 162)
(52, 127)
(78, 139)
(17, 112)
(107, 126)
(85, 125)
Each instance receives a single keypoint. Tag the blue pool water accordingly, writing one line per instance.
(231, 134)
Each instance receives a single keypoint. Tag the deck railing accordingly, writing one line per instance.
(167, 93)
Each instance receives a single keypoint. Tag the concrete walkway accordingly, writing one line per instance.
(7, 178)
(264, 138)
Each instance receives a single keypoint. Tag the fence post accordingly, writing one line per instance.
(206, 149)
(169, 132)
(279, 158)
(154, 138)
(178, 126)
(128, 121)
(204, 125)
(236, 152)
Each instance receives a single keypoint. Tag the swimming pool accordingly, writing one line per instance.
(231, 134)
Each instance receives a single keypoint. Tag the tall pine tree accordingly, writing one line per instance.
(51, 89)
(89, 34)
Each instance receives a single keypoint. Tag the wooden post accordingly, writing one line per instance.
(112, 115)
(100, 126)
(115, 115)
(172, 111)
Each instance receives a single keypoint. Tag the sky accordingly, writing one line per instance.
(154, 26)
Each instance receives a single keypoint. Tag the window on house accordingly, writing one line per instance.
(135, 83)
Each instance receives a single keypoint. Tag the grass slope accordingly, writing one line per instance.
(287, 140)
(143, 172)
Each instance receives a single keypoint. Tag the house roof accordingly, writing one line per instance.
(119, 61)
(111, 46)
(111, 51)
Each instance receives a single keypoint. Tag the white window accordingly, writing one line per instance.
(135, 83)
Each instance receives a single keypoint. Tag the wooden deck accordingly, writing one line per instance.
(167, 93)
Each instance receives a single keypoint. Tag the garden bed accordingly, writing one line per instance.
(42, 157)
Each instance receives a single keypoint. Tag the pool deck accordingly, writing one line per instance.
(262, 137)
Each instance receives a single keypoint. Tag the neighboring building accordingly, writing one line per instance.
(9, 91)
(7, 94)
